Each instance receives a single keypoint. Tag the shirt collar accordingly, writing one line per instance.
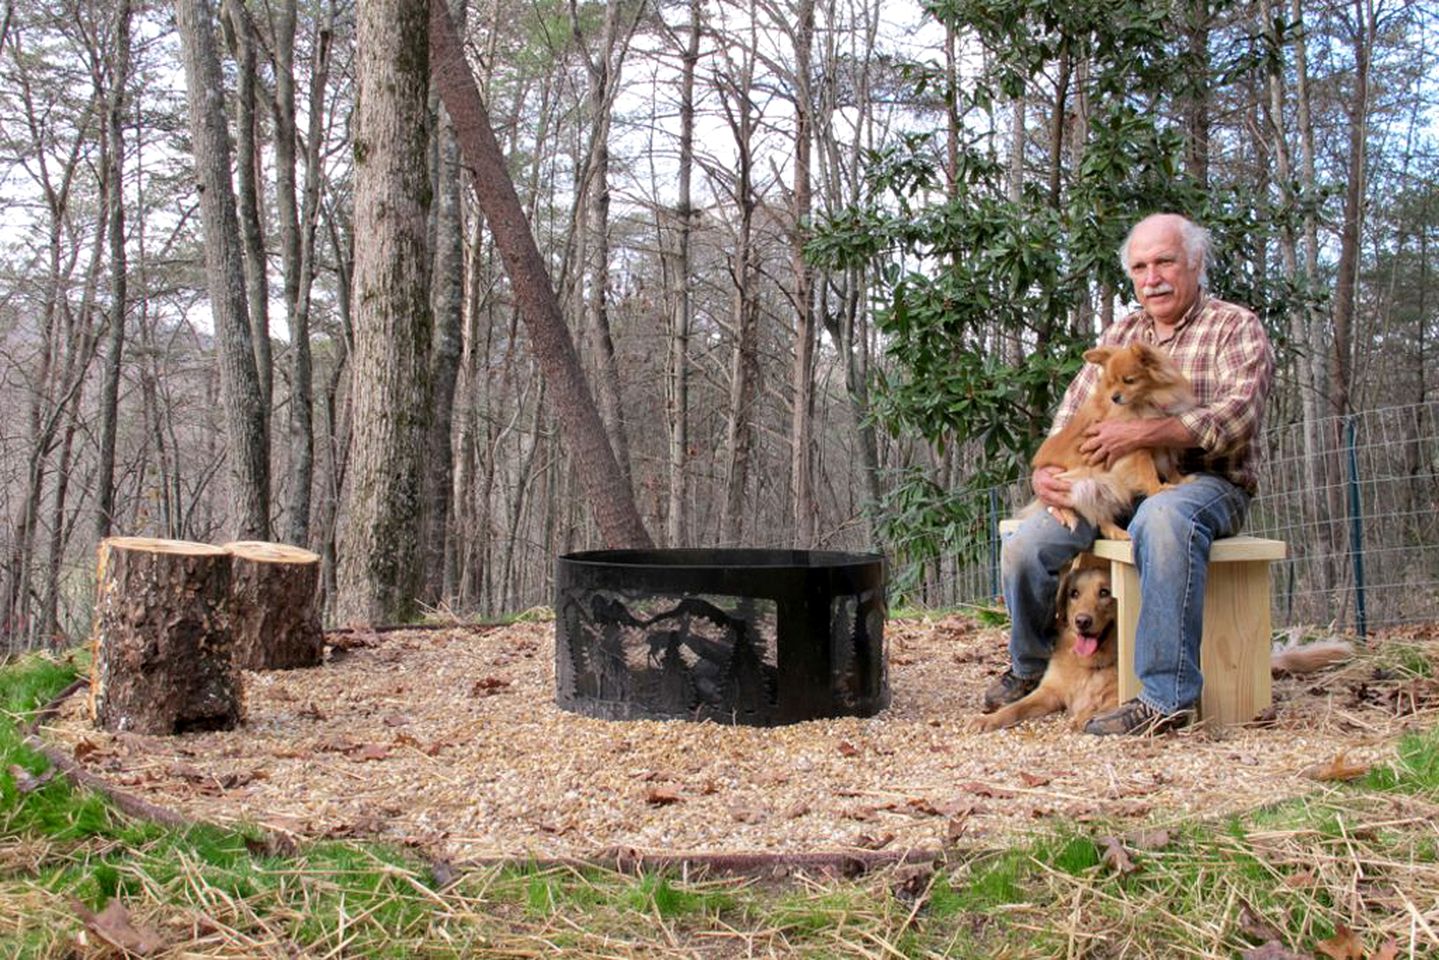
(1190, 315)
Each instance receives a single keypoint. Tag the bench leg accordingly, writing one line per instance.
(1234, 653)
(1124, 583)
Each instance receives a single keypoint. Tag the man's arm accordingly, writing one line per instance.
(1244, 362)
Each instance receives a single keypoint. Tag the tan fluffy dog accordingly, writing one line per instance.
(1138, 382)
(1082, 677)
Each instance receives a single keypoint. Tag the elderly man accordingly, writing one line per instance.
(1224, 351)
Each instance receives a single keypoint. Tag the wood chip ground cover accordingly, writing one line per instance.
(450, 740)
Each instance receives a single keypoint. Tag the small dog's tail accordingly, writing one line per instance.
(1099, 499)
(1309, 657)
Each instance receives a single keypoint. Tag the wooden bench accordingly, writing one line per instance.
(1234, 652)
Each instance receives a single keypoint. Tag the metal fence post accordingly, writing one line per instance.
(1356, 530)
(993, 541)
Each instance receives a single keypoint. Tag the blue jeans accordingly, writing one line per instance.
(1172, 531)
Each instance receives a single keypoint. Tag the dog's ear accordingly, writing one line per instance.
(1099, 355)
(1149, 356)
(1061, 598)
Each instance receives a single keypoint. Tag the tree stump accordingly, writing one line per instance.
(273, 615)
(163, 661)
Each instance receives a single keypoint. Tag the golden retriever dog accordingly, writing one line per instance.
(1137, 382)
(1083, 673)
(1082, 678)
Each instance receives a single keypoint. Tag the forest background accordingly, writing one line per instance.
(826, 263)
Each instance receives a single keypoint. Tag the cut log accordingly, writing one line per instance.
(163, 661)
(273, 614)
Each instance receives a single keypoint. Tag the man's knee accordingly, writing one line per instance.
(1158, 523)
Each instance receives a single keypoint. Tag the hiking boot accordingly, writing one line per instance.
(1135, 718)
(1007, 689)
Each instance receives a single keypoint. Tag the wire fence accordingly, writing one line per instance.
(1356, 500)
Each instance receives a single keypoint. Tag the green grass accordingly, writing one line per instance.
(1353, 855)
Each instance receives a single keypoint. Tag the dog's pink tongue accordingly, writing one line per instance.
(1085, 646)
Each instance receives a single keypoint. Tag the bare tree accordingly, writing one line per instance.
(119, 267)
(245, 418)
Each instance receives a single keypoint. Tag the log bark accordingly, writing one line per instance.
(274, 619)
(163, 659)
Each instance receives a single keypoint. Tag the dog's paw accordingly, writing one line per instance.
(990, 722)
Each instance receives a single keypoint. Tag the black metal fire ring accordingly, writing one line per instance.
(758, 637)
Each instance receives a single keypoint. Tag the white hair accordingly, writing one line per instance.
(1196, 243)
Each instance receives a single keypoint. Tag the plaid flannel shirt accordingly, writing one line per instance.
(1223, 350)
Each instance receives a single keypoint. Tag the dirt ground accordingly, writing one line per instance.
(449, 740)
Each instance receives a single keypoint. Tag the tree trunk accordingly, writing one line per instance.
(380, 561)
(247, 178)
(610, 498)
(678, 360)
(802, 413)
(1196, 97)
(448, 299)
(274, 619)
(119, 294)
(594, 223)
(245, 420)
(163, 661)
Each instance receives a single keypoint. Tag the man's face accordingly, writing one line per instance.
(1164, 282)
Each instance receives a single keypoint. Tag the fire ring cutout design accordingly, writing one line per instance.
(759, 637)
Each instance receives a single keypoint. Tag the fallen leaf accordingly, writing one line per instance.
(954, 828)
(986, 790)
(1389, 950)
(662, 796)
(27, 782)
(921, 806)
(443, 873)
(847, 749)
(1304, 878)
(1337, 769)
(1116, 856)
(113, 925)
(272, 844)
(748, 814)
(1272, 951)
(84, 749)
(489, 686)
(1033, 780)
(912, 883)
(1154, 839)
(1267, 717)
(874, 841)
(958, 807)
(1255, 927)
(1344, 945)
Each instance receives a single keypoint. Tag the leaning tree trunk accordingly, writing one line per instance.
(612, 502)
(163, 660)
(274, 617)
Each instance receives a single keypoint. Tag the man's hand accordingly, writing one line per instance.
(1108, 440)
(1051, 490)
